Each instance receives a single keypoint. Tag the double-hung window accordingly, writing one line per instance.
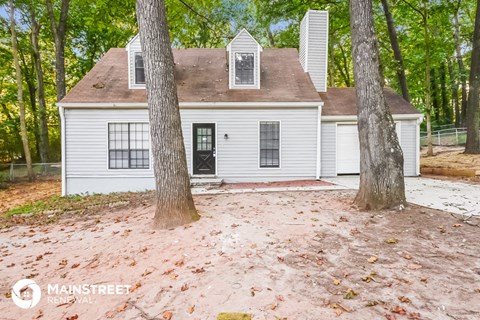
(128, 146)
(139, 69)
(269, 144)
(244, 64)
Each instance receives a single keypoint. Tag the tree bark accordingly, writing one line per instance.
(59, 30)
(18, 73)
(461, 69)
(381, 158)
(473, 108)
(174, 201)
(397, 53)
(428, 107)
(435, 99)
(446, 111)
(454, 88)
(42, 108)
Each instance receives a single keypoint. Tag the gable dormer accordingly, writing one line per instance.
(136, 72)
(244, 62)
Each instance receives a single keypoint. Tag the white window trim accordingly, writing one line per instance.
(235, 69)
(128, 170)
(279, 146)
(135, 85)
(256, 70)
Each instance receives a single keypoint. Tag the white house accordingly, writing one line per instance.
(248, 114)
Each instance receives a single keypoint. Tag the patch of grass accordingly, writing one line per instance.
(50, 209)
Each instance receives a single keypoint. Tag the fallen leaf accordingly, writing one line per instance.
(279, 298)
(167, 315)
(191, 309)
(146, 273)
(75, 265)
(338, 312)
(372, 303)
(135, 287)
(413, 316)
(168, 272)
(399, 310)
(199, 270)
(74, 317)
(404, 299)
(122, 307)
(215, 232)
(337, 281)
(274, 306)
(350, 294)
(407, 256)
(477, 290)
(38, 314)
(133, 263)
(391, 241)
(184, 287)
(414, 266)
(369, 278)
(457, 225)
(372, 259)
(179, 263)
(343, 219)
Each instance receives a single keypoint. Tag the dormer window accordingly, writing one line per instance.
(139, 69)
(244, 69)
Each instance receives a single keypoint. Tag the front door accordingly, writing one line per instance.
(203, 148)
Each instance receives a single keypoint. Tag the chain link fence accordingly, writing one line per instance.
(18, 171)
(445, 137)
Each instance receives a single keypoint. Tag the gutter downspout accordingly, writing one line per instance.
(319, 142)
(63, 147)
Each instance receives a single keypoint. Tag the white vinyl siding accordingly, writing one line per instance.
(87, 167)
(328, 149)
(313, 50)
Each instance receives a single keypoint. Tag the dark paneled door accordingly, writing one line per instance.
(203, 148)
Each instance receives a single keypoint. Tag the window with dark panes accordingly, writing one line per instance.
(128, 146)
(269, 144)
(244, 68)
(139, 70)
(204, 139)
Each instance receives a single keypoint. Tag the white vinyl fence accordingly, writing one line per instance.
(445, 137)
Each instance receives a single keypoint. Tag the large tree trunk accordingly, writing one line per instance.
(58, 31)
(428, 107)
(446, 110)
(42, 108)
(381, 158)
(454, 89)
(435, 99)
(392, 33)
(473, 108)
(461, 68)
(174, 199)
(18, 73)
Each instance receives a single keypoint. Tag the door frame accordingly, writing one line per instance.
(192, 149)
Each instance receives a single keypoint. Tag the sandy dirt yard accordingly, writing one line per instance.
(286, 255)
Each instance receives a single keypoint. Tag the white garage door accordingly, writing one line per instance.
(348, 149)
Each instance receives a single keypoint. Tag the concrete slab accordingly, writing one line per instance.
(450, 196)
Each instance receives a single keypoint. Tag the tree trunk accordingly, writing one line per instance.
(174, 199)
(392, 33)
(331, 61)
(435, 99)
(344, 71)
(271, 39)
(58, 31)
(32, 89)
(42, 108)
(454, 88)
(18, 73)
(461, 69)
(446, 111)
(428, 108)
(473, 108)
(381, 158)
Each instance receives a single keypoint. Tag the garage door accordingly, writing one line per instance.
(348, 149)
